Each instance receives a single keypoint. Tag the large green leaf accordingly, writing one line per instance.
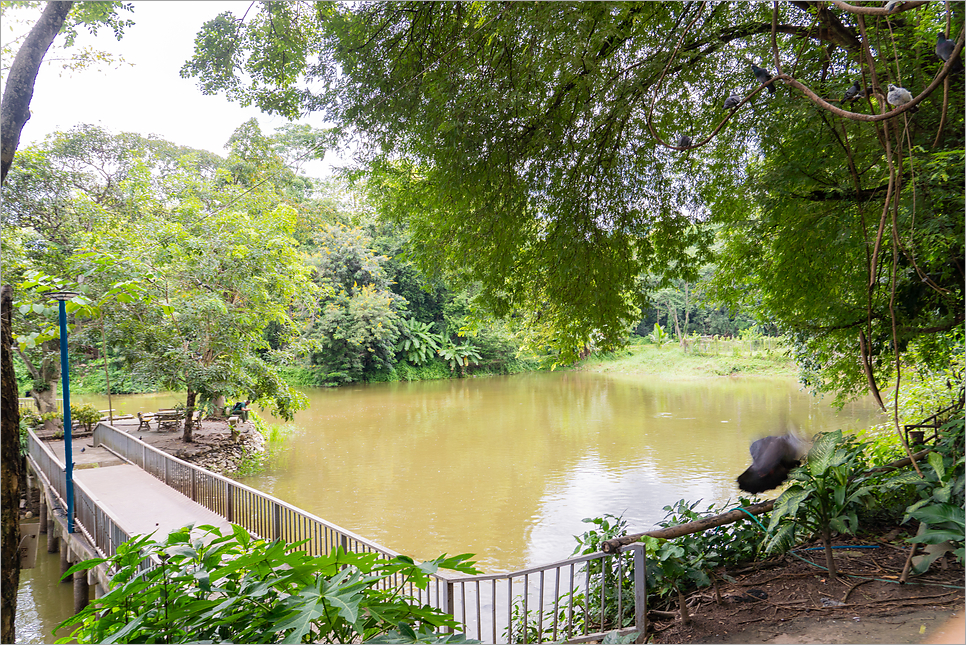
(822, 452)
(936, 514)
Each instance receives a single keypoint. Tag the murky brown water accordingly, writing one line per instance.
(507, 467)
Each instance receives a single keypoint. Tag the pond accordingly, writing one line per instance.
(507, 467)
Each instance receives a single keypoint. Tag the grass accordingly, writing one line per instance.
(765, 357)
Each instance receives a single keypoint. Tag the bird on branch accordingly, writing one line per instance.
(898, 95)
(732, 101)
(763, 76)
(684, 141)
(772, 458)
(853, 93)
(944, 49)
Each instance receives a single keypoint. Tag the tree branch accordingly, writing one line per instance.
(15, 109)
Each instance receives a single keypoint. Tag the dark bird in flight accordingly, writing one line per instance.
(853, 93)
(772, 458)
(763, 77)
(732, 101)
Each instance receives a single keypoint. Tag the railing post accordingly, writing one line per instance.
(640, 591)
(450, 597)
(230, 507)
(166, 473)
(194, 492)
(278, 521)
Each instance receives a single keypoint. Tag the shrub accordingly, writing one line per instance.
(216, 588)
(85, 415)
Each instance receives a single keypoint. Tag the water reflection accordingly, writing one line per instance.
(502, 467)
(42, 600)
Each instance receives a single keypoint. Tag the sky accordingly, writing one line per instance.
(148, 96)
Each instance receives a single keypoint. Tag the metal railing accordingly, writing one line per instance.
(99, 526)
(569, 599)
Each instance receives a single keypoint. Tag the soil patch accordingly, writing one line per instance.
(791, 599)
(213, 446)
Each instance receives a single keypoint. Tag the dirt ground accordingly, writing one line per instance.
(213, 447)
(788, 600)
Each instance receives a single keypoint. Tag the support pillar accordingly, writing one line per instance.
(82, 591)
(99, 591)
(53, 540)
(64, 561)
(43, 512)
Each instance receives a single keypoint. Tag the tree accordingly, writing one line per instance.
(538, 150)
(22, 73)
(10, 476)
(358, 322)
(214, 261)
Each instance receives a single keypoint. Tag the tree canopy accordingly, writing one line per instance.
(556, 152)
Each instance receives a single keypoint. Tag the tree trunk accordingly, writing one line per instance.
(48, 373)
(10, 473)
(21, 77)
(189, 414)
(829, 559)
(221, 405)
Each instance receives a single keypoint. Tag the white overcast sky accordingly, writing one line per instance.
(149, 97)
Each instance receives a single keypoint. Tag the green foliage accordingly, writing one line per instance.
(417, 341)
(657, 336)
(537, 175)
(210, 587)
(828, 493)
(358, 326)
(86, 415)
(942, 496)
(461, 356)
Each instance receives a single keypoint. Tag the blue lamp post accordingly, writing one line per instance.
(62, 297)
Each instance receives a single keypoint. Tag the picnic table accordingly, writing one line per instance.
(169, 419)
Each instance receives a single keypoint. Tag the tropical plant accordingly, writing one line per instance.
(86, 415)
(210, 586)
(461, 356)
(418, 342)
(827, 494)
(940, 511)
(658, 336)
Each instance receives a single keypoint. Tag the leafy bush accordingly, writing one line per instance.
(417, 342)
(85, 415)
(942, 494)
(216, 588)
(829, 492)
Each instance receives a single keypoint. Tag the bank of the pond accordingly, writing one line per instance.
(709, 359)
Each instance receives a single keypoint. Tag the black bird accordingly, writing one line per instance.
(732, 101)
(772, 458)
(853, 93)
(684, 141)
(944, 49)
(763, 77)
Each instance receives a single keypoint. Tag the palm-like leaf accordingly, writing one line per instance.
(822, 452)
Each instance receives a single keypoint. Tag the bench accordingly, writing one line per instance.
(144, 420)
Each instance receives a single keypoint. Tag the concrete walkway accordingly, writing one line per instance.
(139, 502)
(142, 503)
